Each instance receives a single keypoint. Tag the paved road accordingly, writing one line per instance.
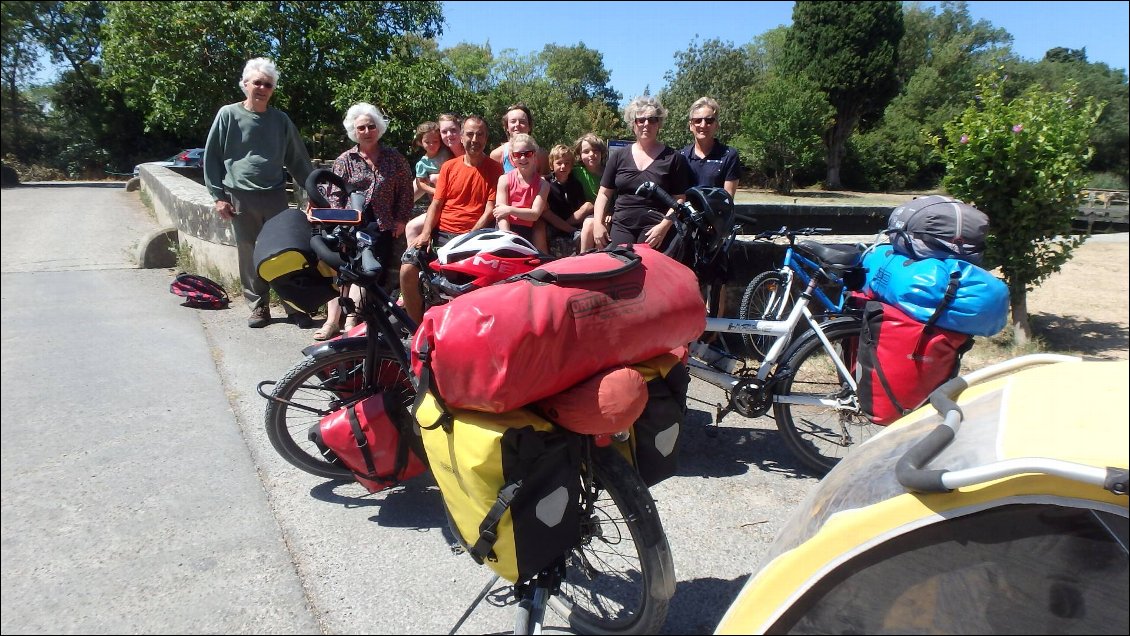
(140, 493)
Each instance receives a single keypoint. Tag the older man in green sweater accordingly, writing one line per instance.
(247, 150)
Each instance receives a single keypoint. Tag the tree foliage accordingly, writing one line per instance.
(178, 62)
(714, 69)
(1021, 161)
(940, 57)
(782, 129)
(850, 50)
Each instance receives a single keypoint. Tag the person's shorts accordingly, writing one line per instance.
(439, 239)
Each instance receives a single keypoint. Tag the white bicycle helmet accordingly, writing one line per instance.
(485, 241)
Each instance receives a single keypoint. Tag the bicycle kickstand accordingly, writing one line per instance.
(474, 604)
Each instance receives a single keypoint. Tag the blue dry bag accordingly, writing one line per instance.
(919, 286)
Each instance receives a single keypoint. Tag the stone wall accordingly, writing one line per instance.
(184, 204)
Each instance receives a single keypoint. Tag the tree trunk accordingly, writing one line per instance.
(835, 140)
(1021, 326)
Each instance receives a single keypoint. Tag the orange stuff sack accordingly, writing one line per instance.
(608, 402)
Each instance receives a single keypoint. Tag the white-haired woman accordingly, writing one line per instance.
(248, 148)
(384, 176)
(637, 219)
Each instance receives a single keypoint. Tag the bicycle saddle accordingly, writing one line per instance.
(831, 256)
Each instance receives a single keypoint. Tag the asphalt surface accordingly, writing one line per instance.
(140, 493)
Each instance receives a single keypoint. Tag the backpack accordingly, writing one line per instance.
(939, 227)
(283, 257)
(199, 292)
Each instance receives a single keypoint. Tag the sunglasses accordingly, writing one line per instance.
(703, 120)
(266, 85)
(647, 120)
(523, 154)
(364, 127)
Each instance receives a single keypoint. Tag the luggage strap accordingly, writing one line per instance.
(426, 386)
(488, 529)
(623, 253)
(363, 446)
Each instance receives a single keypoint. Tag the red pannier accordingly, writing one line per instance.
(901, 361)
(364, 438)
(513, 343)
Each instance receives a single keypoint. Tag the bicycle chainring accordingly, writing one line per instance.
(749, 399)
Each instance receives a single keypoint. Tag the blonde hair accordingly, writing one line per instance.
(641, 103)
(560, 151)
(523, 138)
(704, 102)
(596, 142)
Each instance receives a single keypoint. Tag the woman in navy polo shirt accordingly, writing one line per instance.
(713, 163)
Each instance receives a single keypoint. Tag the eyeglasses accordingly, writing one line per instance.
(703, 120)
(266, 85)
(523, 154)
(364, 127)
(647, 120)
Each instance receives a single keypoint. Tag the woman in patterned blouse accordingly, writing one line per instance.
(383, 175)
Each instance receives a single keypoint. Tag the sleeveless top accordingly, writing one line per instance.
(521, 195)
(506, 165)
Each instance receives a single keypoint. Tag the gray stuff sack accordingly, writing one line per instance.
(938, 227)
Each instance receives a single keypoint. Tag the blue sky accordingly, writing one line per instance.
(639, 39)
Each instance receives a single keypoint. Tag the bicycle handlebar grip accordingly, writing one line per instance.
(652, 190)
(370, 266)
(324, 253)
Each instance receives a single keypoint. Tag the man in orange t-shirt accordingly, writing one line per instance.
(463, 202)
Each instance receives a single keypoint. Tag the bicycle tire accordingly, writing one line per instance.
(326, 384)
(820, 435)
(764, 299)
(630, 600)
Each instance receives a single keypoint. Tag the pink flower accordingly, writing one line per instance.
(1017, 128)
(964, 139)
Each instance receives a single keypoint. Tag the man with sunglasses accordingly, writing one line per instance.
(713, 163)
(248, 148)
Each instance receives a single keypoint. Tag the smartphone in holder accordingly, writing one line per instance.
(339, 216)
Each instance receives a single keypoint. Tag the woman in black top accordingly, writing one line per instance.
(636, 219)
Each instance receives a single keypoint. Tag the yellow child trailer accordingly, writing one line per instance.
(1001, 507)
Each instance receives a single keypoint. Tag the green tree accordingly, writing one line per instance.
(21, 119)
(782, 128)
(580, 71)
(713, 68)
(178, 62)
(470, 66)
(850, 50)
(1022, 161)
(940, 57)
(1111, 136)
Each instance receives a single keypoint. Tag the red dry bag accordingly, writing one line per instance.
(902, 360)
(364, 438)
(537, 334)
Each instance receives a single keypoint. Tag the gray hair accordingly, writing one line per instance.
(259, 65)
(364, 109)
(641, 103)
(704, 102)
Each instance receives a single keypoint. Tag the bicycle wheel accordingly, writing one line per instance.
(765, 298)
(619, 579)
(317, 387)
(820, 434)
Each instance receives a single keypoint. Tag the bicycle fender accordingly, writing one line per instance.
(323, 349)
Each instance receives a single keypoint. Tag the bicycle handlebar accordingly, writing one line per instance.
(684, 211)
(370, 266)
(785, 231)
